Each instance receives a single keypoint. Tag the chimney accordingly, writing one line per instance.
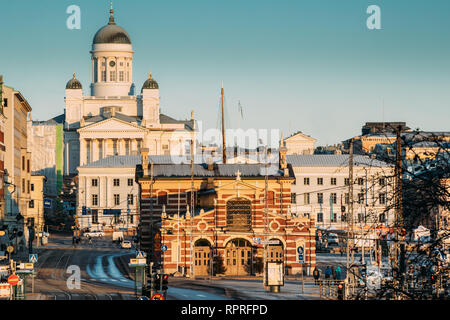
(144, 153)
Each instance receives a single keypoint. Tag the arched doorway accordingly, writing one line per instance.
(239, 257)
(202, 258)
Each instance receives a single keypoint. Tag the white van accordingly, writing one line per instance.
(333, 239)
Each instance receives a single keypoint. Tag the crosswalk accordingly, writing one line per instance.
(99, 244)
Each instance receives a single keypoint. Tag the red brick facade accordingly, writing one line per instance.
(229, 217)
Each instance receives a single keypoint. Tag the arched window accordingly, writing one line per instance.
(239, 215)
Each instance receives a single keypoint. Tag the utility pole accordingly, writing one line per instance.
(266, 212)
(191, 268)
(399, 246)
(350, 220)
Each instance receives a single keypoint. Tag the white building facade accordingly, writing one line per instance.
(321, 190)
(113, 119)
(108, 194)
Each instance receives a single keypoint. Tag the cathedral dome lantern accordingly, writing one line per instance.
(74, 84)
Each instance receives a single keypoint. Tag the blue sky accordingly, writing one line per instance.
(296, 65)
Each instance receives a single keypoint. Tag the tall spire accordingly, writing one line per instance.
(111, 17)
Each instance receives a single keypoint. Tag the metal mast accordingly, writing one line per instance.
(224, 149)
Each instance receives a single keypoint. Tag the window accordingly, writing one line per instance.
(360, 217)
(23, 164)
(333, 198)
(130, 182)
(320, 198)
(382, 198)
(130, 199)
(28, 165)
(117, 199)
(31, 204)
(347, 181)
(360, 181)
(32, 187)
(28, 186)
(5, 102)
(320, 217)
(121, 76)
(306, 198)
(360, 198)
(23, 185)
(382, 218)
(116, 182)
(95, 200)
(95, 182)
(293, 198)
(320, 181)
(104, 75)
(112, 76)
(347, 198)
(306, 181)
(382, 182)
(95, 216)
(239, 215)
(333, 181)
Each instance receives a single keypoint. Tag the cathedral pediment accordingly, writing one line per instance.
(112, 125)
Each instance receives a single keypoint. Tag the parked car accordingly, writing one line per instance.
(126, 244)
(94, 234)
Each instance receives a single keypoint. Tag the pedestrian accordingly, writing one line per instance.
(341, 249)
(338, 273)
(90, 239)
(73, 241)
(328, 273)
(316, 275)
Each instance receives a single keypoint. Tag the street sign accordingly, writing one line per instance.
(140, 255)
(300, 252)
(275, 275)
(5, 290)
(164, 248)
(10, 249)
(29, 266)
(269, 242)
(2, 233)
(13, 280)
(256, 240)
(33, 258)
(157, 296)
(47, 203)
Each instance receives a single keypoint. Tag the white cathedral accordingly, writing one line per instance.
(113, 119)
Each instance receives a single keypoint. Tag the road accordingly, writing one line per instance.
(105, 275)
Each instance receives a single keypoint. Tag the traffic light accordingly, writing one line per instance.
(340, 291)
(156, 282)
(165, 282)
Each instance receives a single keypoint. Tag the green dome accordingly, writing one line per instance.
(74, 84)
(150, 83)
